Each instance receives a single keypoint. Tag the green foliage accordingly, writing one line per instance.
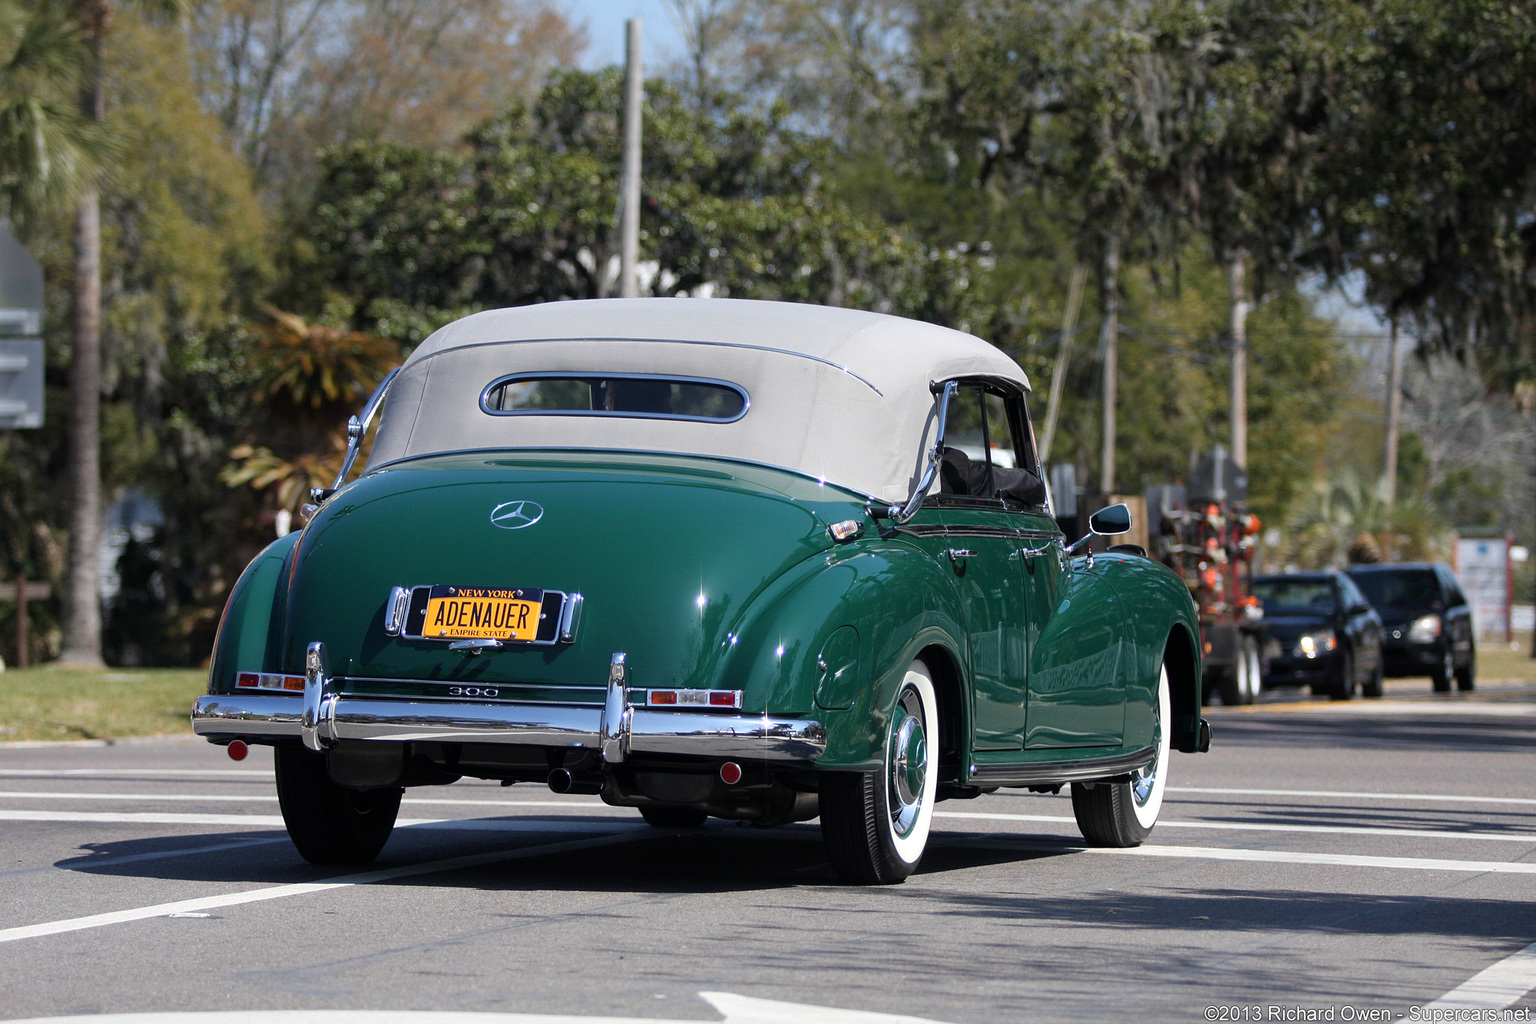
(525, 213)
(47, 149)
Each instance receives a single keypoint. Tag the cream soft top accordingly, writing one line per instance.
(839, 395)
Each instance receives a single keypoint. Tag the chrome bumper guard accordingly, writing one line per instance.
(615, 730)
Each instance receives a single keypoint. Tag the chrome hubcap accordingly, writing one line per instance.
(908, 762)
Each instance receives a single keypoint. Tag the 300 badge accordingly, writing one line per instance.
(473, 691)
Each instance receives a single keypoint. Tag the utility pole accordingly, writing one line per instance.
(1063, 358)
(629, 216)
(1109, 338)
(1237, 304)
(1394, 411)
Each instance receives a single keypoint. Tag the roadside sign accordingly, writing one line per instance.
(21, 328)
(1483, 566)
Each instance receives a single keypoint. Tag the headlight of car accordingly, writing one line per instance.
(1425, 630)
(1314, 644)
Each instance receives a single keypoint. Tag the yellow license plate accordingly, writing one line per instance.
(470, 613)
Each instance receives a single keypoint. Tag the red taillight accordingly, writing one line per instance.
(249, 680)
(722, 698)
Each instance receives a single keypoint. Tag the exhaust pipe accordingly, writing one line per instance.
(560, 781)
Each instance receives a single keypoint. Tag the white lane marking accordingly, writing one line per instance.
(1346, 795)
(276, 892)
(545, 824)
(272, 797)
(1233, 826)
(1503, 984)
(1348, 860)
(736, 1009)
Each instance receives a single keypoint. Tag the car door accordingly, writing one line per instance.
(984, 556)
(1075, 683)
(1362, 627)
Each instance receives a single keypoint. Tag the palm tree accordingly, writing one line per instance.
(1350, 520)
(47, 150)
(82, 619)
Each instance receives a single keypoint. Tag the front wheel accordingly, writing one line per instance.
(1123, 813)
(1440, 678)
(1345, 685)
(329, 823)
(875, 824)
(1241, 683)
(1376, 685)
(1465, 680)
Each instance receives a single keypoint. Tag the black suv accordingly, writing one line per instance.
(1427, 620)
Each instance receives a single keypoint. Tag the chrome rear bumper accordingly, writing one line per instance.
(615, 730)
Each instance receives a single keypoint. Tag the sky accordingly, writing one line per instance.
(659, 40)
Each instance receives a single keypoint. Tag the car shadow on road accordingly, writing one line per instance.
(1384, 731)
(717, 858)
(1247, 910)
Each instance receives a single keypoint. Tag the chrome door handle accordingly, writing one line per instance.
(955, 554)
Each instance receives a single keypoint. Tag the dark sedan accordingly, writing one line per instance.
(1427, 619)
(1320, 631)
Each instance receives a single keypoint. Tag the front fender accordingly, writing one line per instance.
(250, 630)
(833, 638)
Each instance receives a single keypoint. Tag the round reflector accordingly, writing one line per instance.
(730, 773)
(238, 750)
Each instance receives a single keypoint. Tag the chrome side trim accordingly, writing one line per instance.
(1060, 771)
(613, 733)
(570, 618)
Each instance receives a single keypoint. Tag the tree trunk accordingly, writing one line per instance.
(1109, 340)
(1237, 308)
(1394, 413)
(82, 600)
(82, 622)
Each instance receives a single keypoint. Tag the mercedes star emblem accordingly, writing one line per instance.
(514, 515)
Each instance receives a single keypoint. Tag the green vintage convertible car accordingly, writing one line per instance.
(761, 561)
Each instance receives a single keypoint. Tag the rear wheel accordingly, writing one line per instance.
(1240, 684)
(1123, 813)
(329, 823)
(673, 817)
(875, 824)
(1465, 680)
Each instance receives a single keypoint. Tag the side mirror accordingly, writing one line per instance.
(1107, 522)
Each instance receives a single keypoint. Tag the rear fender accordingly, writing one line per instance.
(832, 640)
(250, 630)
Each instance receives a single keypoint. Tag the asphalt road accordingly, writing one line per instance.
(1355, 860)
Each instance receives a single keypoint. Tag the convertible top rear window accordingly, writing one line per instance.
(647, 396)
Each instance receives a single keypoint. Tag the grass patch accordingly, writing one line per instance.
(68, 704)
(1498, 663)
